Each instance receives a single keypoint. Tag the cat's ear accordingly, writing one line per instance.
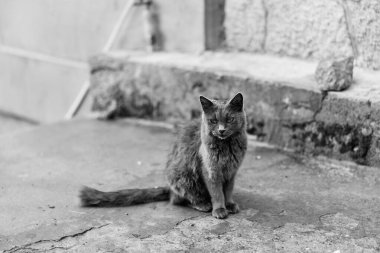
(236, 103)
(207, 104)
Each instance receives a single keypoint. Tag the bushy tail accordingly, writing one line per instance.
(128, 197)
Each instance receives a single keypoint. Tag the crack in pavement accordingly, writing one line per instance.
(28, 245)
(174, 226)
(188, 218)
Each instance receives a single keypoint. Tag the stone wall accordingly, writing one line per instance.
(311, 29)
(282, 103)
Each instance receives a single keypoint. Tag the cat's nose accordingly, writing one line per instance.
(221, 131)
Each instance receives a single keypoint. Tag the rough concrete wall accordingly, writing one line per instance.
(343, 129)
(364, 20)
(306, 28)
(245, 25)
(165, 92)
(44, 46)
(38, 90)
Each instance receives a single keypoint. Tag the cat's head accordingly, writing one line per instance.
(223, 118)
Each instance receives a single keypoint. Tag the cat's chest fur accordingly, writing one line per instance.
(222, 158)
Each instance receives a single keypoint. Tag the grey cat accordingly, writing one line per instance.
(201, 167)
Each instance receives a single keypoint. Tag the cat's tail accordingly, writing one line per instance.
(94, 198)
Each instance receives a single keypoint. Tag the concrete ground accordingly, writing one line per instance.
(289, 203)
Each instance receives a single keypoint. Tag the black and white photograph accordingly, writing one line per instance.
(134, 126)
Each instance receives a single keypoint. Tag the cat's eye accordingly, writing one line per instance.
(213, 121)
(230, 119)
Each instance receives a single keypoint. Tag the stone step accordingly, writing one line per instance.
(286, 204)
(283, 105)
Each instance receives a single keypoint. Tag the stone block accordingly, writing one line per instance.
(344, 128)
(336, 109)
(335, 74)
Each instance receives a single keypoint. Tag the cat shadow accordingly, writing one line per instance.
(275, 213)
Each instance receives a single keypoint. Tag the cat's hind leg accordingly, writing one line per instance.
(203, 206)
(189, 197)
(199, 201)
(175, 199)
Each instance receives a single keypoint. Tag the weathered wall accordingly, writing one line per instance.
(181, 24)
(306, 28)
(69, 29)
(36, 89)
(45, 44)
(282, 106)
(77, 30)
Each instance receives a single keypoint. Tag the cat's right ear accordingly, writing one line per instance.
(207, 104)
(236, 103)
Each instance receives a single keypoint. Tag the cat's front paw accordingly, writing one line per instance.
(232, 207)
(220, 213)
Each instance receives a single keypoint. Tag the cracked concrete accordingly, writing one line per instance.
(289, 203)
(49, 244)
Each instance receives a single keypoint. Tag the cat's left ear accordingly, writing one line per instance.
(236, 103)
(207, 104)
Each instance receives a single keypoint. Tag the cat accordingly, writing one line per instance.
(201, 167)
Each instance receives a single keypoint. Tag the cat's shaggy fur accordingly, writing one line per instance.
(201, 167)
